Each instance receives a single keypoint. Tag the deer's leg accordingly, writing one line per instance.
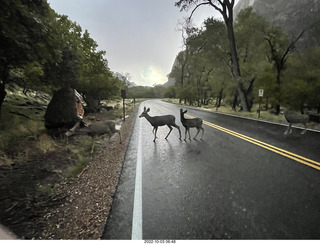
(119, 132)
(198, 130)
(92, 148)
(170, 127)
(305, 128)
(155, 133)
(176, 126)
(202, 132)
(185, 134)
(189, 133)
(76, 126)
(288, 131)
(73, 129)
(93, 144)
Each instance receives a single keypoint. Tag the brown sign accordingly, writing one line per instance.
(123, 94)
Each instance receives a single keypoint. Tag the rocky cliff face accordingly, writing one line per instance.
(293, 16)
(242, 4)
(172, 81)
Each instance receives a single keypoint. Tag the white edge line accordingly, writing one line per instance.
(137, 204)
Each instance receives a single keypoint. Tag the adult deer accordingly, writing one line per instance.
(104, 127)
(295, 118)
(157, 121)
(189, 123)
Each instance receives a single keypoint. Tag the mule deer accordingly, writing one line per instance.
(157, 121)
(105, 127)
(295, 118)
(189, 123)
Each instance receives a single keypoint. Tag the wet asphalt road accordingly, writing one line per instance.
(222, 187)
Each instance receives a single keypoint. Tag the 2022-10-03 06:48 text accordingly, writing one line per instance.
(159, 241)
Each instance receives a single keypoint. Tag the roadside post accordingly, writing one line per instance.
(123, 95)
(260, 97)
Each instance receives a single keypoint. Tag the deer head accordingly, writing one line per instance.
(182, 113)
(144, 113)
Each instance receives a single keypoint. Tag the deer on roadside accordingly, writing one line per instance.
(190, 123)
(157, 121)
(104, 127)
(295, 118)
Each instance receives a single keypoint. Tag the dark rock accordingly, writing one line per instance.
(61, 111)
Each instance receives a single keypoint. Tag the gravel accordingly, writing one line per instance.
(87, 201)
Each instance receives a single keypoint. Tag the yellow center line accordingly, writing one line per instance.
(293, 156)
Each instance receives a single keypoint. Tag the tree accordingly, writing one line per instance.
(28, 76)
(225, 8)
(250, 33)
(280, 47)
(302, 83)
(46, 51)
(216, 49)
(170, 92)
(25, 36)
(81, 66)
(66, 71)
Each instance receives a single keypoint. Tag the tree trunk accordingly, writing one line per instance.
(277, 109)
(235, 63)
(3, 94)
(235, 100)
(93, 105)
(243, 98)
(279, 85)
(249, 94)
(4, 76)
(220, 98)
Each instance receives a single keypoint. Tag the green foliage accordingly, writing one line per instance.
(302, 83)
(170, 92)
(157, 91)
(16, 129)
(250, 33)
(25, 33)
(45, 51)
(267, 59)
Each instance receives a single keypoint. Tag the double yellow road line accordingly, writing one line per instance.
(293, 156)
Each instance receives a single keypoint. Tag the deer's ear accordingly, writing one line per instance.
(144, 109)
(186, 111)
(148, 110)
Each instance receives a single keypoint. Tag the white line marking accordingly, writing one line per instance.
(137, 204)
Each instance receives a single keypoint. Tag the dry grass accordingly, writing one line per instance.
(46, 143)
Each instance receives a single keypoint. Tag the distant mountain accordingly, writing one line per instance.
(172, 81)
(293, 16)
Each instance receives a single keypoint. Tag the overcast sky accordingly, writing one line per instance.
(140, 37)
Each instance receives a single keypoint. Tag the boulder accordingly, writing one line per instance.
(64, 110)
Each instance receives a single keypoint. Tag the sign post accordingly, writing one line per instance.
(123, 95)
(260, 97)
